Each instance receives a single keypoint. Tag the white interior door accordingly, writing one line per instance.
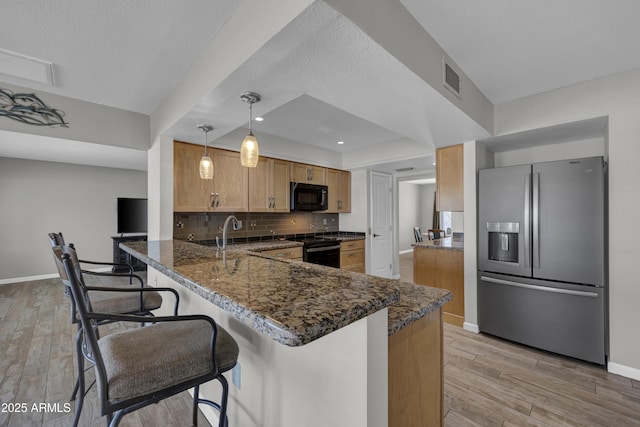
(380, 245)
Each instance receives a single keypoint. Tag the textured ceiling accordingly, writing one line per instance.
(130, 54)
(512, 49)
(127, 54)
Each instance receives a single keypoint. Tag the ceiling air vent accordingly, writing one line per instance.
(451, 79)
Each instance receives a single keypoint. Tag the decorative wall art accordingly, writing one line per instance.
(29, 109)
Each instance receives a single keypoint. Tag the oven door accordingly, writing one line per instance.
(323, 255)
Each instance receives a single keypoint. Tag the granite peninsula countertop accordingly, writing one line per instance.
(416, 301)
(447, 243)
(293, 302)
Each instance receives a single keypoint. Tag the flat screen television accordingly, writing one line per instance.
(132, 215)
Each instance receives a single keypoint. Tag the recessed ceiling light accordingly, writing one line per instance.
(258, 119)
(340, 142)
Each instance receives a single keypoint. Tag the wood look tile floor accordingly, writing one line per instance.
(37, 363)
(493, 382)
(488, 382)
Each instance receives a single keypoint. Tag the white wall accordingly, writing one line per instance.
(88, 122)
(427, 194)
(409, 213)
(570, 150)
(42, 197)
(616, 97)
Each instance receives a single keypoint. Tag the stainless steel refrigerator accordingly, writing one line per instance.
(542, 257)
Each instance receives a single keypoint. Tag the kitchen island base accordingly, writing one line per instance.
(416, 379)
(339, 379)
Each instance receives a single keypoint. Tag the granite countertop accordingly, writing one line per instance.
(416, 301)
(293, 302)
(448, 243)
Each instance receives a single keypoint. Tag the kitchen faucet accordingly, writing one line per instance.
(236, 226)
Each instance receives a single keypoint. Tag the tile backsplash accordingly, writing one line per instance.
(208, 225)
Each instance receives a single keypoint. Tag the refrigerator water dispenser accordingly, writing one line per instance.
(503, 241)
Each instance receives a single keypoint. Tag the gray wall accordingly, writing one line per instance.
(415, 209)
(40, 197)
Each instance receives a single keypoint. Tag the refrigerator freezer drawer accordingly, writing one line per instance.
(562, 318)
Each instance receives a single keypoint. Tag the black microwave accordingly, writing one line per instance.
(308, 197)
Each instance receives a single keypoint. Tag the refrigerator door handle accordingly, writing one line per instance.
(536, 220)
(539, 288)
(527, 219)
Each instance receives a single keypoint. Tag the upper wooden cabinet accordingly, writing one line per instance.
(235, 188)
(449, 179)
(339, 188)
(190, 192)
(310, 174)
(230, 182)
(269, 186)
(226, 192)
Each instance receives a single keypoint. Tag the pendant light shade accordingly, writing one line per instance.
(249, 152)
(206, 164)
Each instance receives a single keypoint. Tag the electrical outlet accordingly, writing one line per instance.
(324, 221)
(235, 375)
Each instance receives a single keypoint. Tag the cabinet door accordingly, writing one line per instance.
(344, 192)
(281, 188)
(260, 186)
(449, 179)
(190, 192)
(333, 190)
(301, 172)
(230, 182)
(339, 187)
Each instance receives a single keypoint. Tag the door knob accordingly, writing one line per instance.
(376, 235)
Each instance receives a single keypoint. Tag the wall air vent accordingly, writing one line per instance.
(451, 79)
(407, 169)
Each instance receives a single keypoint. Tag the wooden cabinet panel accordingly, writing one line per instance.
(226, 192)
(286, 253)
(344, 192)
(416, 377)
(269, 186)
(449, 179)
(230, 182)
(339, 188)
(441, 268)
(281, 188)
(352, 255)
(190, 192)
(310, 174)
(259, 186)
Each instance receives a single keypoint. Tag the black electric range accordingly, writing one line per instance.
(320, 250)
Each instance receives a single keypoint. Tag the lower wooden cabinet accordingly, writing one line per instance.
(416, 377)
(352, 255)
(442, 268)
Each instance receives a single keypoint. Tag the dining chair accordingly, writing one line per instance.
(417, 234)
(435, 234)
(138, 300)
(137, 367)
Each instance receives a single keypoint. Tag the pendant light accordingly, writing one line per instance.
(206, 164)
(249, 151)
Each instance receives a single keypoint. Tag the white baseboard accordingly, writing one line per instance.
(396, 276)
(471, 327)
(28, 278)
(407, 251)
(44, 276)
(625, 371)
